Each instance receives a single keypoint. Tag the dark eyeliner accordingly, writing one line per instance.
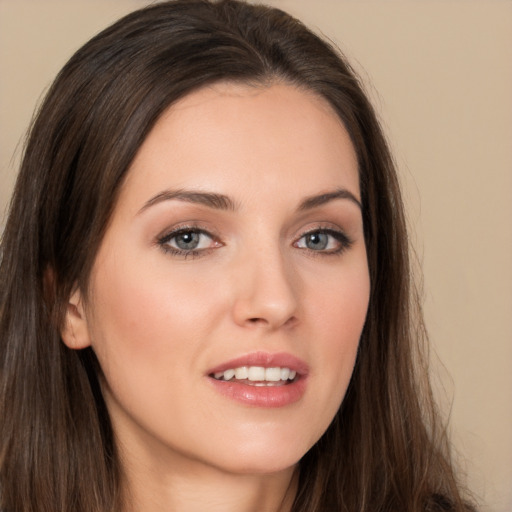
(344, 241)
(163, 242)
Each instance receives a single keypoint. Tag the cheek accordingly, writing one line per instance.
(340, 304)
(148, 334)
(150, 330)
(144, 317)
(339, 313)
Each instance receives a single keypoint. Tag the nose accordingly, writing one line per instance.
(266, 293)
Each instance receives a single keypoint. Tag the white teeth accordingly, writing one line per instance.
(242, 373)
(229, 374)
(257, 374)
(273, 374)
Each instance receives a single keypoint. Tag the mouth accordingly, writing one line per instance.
(257, 375)
(261, 379)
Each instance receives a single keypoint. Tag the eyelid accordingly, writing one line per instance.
(345, 242)
(162, 240)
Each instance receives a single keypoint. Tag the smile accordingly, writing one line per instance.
(257, 375)
(261, 379)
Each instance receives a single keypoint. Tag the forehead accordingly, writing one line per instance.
(238, 138)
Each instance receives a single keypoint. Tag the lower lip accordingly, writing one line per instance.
(261, 396)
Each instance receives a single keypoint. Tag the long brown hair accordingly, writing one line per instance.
(384, 451)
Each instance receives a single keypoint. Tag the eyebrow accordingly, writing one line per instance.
(321, 199)
(223, 202)
(212, 200)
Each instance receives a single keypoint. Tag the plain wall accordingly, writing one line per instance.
(440, 75)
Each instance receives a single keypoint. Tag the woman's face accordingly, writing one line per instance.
(236, 247)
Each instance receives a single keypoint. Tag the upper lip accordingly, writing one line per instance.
(266, 360)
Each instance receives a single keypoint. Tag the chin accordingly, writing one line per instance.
(258, 458)
(271, 465)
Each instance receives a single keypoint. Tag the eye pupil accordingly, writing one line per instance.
(187, 240)
(317, 241)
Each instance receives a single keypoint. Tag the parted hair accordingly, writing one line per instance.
(385, 449)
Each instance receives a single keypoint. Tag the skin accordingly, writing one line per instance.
(160, 320)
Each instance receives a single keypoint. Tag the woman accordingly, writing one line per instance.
(206, 299)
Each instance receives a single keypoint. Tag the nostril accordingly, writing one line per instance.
(262, 321)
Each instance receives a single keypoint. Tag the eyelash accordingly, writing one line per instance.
(163, 242)
(341, 238)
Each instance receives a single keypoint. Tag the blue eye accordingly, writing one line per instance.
(186, 241)
(317, 241)
(328, 241)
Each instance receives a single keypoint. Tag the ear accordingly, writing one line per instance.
(75, 331)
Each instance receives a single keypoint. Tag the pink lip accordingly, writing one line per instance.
(263, 396)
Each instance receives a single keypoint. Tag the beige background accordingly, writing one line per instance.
(440, 74)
